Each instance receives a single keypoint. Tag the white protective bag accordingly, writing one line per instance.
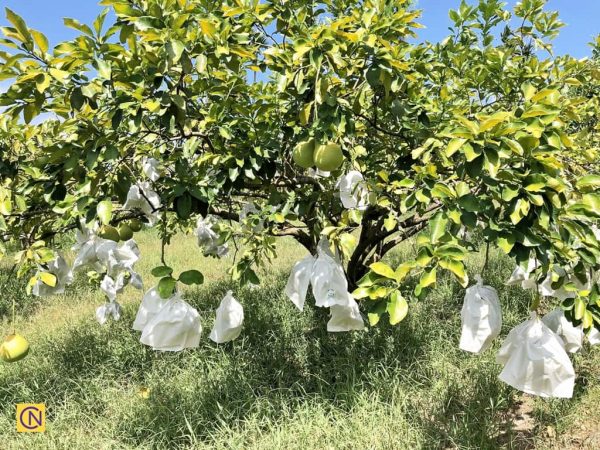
(594, 337)
(228, 321)
(109, 309)
(345, 317)
(299, 280)
(151, 304)
(151, 168)
(535, 361)
(353, 190)
(59, 268)
(208, 239)
(175, 327)
(562, 293)
(142, 197)
(328, 280)
(86, 246)
(481, 318)
(572, 336)
(523, 276)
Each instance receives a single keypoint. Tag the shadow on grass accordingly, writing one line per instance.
(282, 360)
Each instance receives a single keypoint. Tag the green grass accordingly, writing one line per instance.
(285, 382)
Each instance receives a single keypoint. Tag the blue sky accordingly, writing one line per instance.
(582, 18)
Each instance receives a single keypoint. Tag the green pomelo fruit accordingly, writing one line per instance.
(125, 232)
(303, 154)
(329, 157)
(108, 232)
(135, 225)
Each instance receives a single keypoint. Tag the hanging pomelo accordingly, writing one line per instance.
(135, 225)
(329, 157)
(303, 154)
(125, 232)
(110, 233)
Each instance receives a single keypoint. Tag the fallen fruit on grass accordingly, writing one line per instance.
(14, 348)
(329, 157)
(303, 154)
(125, 232)
(109, 232)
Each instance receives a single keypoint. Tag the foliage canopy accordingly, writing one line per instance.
(486, 131)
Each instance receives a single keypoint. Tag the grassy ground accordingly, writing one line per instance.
(286, 382)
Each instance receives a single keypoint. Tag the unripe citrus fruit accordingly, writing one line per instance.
(135, 225)
(329, 157)
(14, 348)
(304, 153)
(125, 232)
(108, 232)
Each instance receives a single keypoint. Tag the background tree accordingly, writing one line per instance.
(485, 131)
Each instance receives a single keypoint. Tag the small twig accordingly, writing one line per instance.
(487, 255)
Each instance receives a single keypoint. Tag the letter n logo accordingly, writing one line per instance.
(31, 418)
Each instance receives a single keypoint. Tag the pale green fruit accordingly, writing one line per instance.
(329, 157)
(108, 232)
(303, 154)
(135, 225)
(14, 348)
(125, 232)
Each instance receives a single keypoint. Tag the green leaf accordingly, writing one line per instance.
(397, 308)
(208, 28)
(42, 82)
(451, 251)
(457, 268)
(453, 146)
(538, 110)
(104, 211)
(437, 227)
(304, 114)
(428, 278)
(174, 51)
(506, 243)
(183, 205)
(40, 40)
(166, 287)
(514, 146)
(440, 190)
(104, 69)
(19, 24)
(161, 271)
(528, 90)
(191, 277)
(580, 308)
(381, 268)
(348, 243)
(588, 181)
(402, 271)
(76, 25)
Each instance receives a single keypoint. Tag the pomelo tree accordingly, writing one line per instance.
(484, 139)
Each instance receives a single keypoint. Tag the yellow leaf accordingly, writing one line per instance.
(528, 90)
(453, 146)
(304, 114)
(207, 27)
(48, 278)
(428, 278)
(381, 268)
